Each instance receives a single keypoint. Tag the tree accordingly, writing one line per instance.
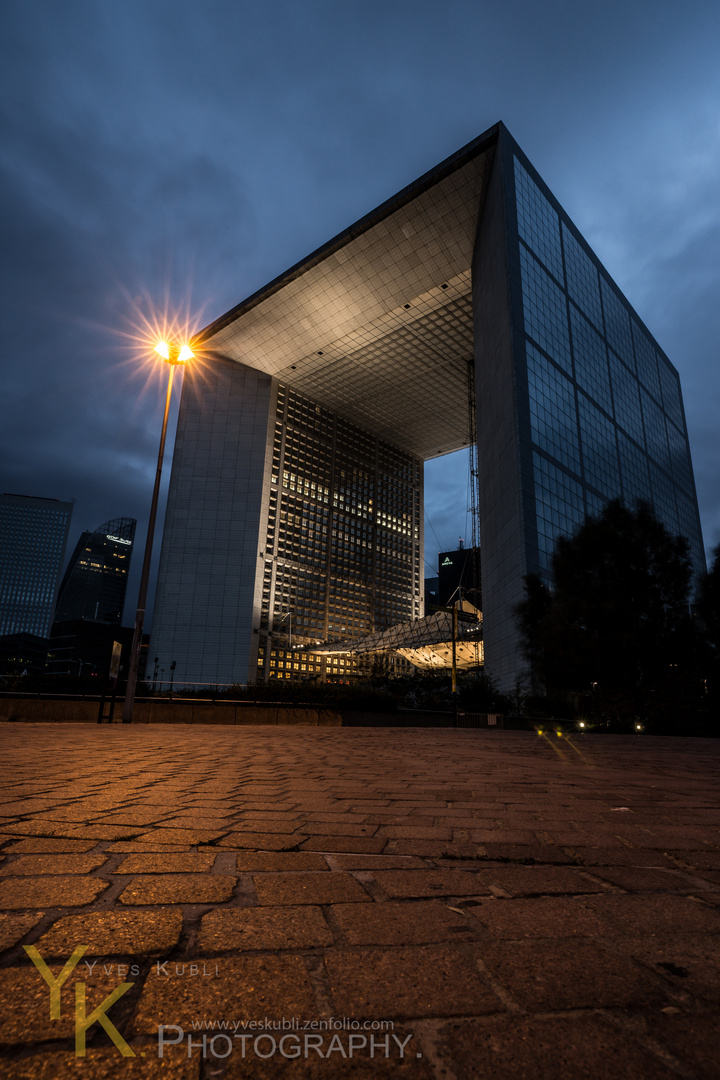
(615, 627)
(708, 610)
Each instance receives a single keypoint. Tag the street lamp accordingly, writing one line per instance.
(173, 355)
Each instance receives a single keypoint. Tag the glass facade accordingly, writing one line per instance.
(95, 581)
(343, 552)
(33, 534)
(606, 413)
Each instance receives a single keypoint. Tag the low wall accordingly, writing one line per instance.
(85, 711)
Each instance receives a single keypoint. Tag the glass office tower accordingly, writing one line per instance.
(33, 534)
(605, 411)
(95, 580)
(328, 389)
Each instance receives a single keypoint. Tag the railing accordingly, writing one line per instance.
(480, 720)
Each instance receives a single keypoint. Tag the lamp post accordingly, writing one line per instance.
(173, 355)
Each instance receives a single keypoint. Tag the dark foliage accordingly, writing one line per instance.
(614, 636)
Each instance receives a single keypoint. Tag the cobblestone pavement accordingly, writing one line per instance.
(462, 904)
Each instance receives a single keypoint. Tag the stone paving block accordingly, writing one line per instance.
(362, 845)
(584, 1047)
(430, 980)
(157, 863)
(535, 880)
(279, 826)
(15, 927)
(431, 849)
(23, 807)
(694, 1040)
(390, 923)
(129, 847)
(105, 1064)
(379, 862)
(407, 883)
(393, 1055)
(329, 828)
(620, 856)
(25, 1016)
(689, 962)
(700, 860)
(70, 815)
(50, 891)
(113, 933)
(179, 836)
(539, 917)
(134, 816)
(52, 864)
(261, 841)
(250, 861)
(580, 975)
(249, 987)
(47, 845)
(579, 839)
(392, 817)
(502, 836)
(227, 929)
(643, 879)
(309, 888)
(346, 818)
(527, 853)
(655, 914)
(414, 832)
(178, 889)
(97, 832)
(31, 828)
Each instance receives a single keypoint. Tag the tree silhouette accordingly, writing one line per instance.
(615, 626)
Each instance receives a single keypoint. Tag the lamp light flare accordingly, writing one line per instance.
(184, 352)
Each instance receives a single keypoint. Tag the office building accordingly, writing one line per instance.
(474, 268)
(95, 580)
(33, 535)
(459, 576)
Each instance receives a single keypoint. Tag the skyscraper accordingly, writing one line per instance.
(95, 580)
(474, 263)
(33, 534)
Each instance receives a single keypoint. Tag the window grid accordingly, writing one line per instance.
(591, 364)
(545, 310)
(559, 504)
(646, 358)
(600, 460)
(617, 324)
(663, 497)
(582, 278)
(538, 222)
(626, 397)
(634, 469)
(553, 415)
(671, 398)
(655, 431)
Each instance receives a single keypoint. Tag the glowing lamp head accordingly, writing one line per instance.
(174, 354)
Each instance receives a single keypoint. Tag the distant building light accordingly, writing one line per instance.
(117, 539)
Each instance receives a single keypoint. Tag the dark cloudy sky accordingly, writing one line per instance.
(186, 152)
